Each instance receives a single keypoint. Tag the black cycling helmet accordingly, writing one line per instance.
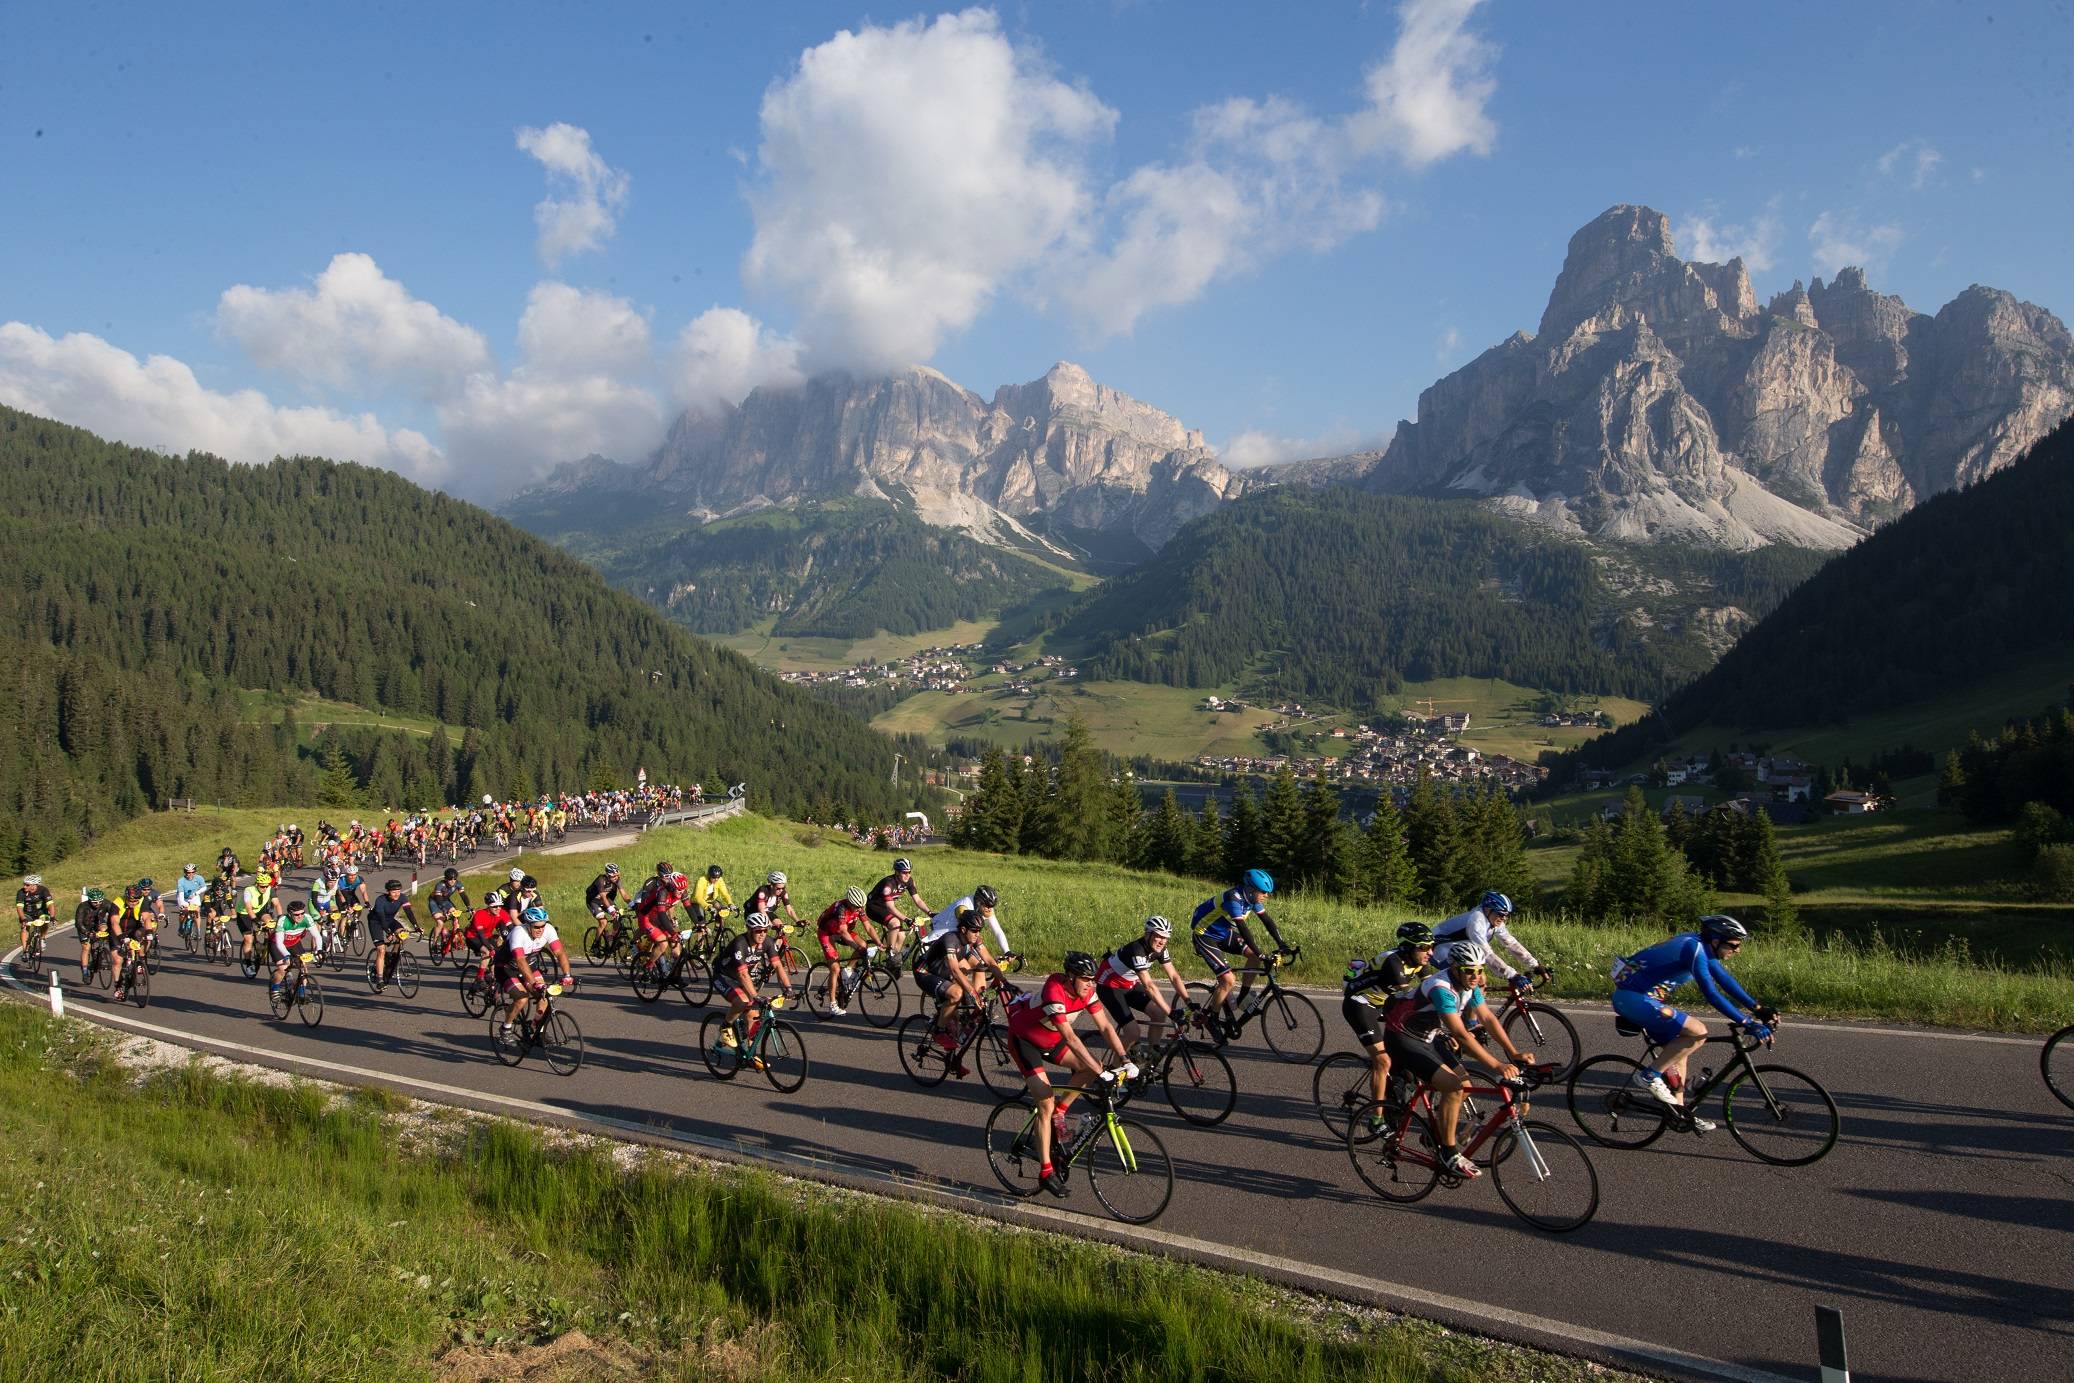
(1415, 934)
(1080, 965)
(529, 882)
(713, 871)
(903, 865)
(968, 920)
(392, 885)
(1717, 926)
(984, 896)
(662, 867)
(452, 874)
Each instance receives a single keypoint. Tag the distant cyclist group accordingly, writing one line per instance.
(1430, 1042)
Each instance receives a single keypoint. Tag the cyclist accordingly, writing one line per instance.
(132, 922)
(1125, 982)
(660, 897)
(1040, 1030)
(387, 922)
(947, 970)
(516, 974)
(1369, 985)
(1642, 985)
(982, 900)
(352, 890)
(838, 922)
(733, 971)
(1484, 924)
(448, 902)
(524, 892)
(218, 903)
(772, 894)
(297, 926)
(256, 911)
(602, 898)
(32, 904)
(187, 896)
(1220, 922)
(710, 899)
(485, 927)
(883, 906)
(91, 916)
(227, 865)
(1427, 1035)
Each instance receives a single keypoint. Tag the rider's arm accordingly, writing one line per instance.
(1714, 981)
(1280, 945)
(1503, 934)
(1454, 1026)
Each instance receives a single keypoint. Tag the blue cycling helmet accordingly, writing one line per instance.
(1258, 880)
(1494, 901)
(534, 917)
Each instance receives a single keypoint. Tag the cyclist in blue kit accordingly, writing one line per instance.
(1642, 988)
(1219, 925)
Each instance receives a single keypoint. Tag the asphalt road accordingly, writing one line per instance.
(1942, 1224)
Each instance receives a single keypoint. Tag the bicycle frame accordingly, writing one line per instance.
(1508, 1112)
(1696, 1092)
(1109, 1092)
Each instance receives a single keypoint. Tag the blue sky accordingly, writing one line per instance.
(1278, 223)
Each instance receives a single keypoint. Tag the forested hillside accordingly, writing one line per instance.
(1341, 596)
(141, 592)
(1963, 584)
(841, 568)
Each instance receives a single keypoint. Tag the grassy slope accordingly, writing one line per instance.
(313, 713)
(1501, 720)
(1125, 717)
(797, 653)
(158, 844)
(378, 1255)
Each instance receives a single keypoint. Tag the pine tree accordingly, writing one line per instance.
(1951, 781)
(1164, 842)
(1316, 859)
(1126, 817)
(1206, 849)
(1280, 851)
(1767, 874)
(336, 786)
(1391, 875)
(1242, 844)
(1435, 838)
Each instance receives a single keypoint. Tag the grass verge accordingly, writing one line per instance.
(194, 1226)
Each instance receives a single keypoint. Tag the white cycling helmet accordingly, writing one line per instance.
(776, 878)
(33, 880)
(1156, 925)
(516, 875)
(1464, 953)
(854, 896)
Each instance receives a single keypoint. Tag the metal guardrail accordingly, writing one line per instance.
(703, 813)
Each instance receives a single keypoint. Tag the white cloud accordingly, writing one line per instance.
(905, 174)
(1744, 151)
(1913, 157)
(1710, 240)
(723, 354)
(595, 192)
(1447, 345)
(354, 325)
(158, 402)
(1257, 448)
(579, 387)
(1428, 96)
(1840, 239)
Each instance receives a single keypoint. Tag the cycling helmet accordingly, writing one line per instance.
(495, 900)
(1080, 965)
(984, 896)
(757, 922)
(1465, 953)
(854, 896)
(903, 865)
(1494, 901)
(968, 920)
(1258, 880)
(187, 869)
(516, 875)
(613, 870)
(713, 871)
(296, 908)
(94, 895)
(1156, 925)
(452, 874)
(663, 868)
(776, 878)
(1721, 927)
(529, 882)
(679, 882)
(389, 884)
(535, 916)
(32, 880)
(144, 882)
(1415, 934)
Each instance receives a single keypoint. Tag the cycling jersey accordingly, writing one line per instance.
(768, 901)
(1682, 959)
(188, 890)
(385, 916)
(1376, 981)
(885, 896)
(1129, 963)
(1435, 998)
(1041, 1019)
(484, 924)
(938, 954)
(739, 952)
(1474, 925)
(518, 942)
(291, 931)
(34, 903)
(837, 918)
(447, 895)
(603, 892)
(947, 921)
(253, 900)
(705, 891)
(1221, 920)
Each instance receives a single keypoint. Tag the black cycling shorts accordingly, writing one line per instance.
(937, 987)
(1119, 1004)
(1365, 1019)
(1213, 956)
(1416, 1059)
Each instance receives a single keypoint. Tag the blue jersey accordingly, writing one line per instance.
(190, 889)
(1217, 920)
(1683, 959)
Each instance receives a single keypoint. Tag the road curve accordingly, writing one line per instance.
(1942, 1225)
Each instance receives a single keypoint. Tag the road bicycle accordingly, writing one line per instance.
(1777, 1114)
(1194, 1076)
(555, 1033)
(30, 961)
(1543, 1175)
(299, 992)
(1289, 1022)
(190, 930)
(478, 989)
(872, 989)
(100, 967)
(1126, 1164)
(977, 1030)
(610, 937)
(687, 972)
(775, 1048)
(403, 967)
(2056, 1064)
(135, 980)
(1535, 1027)
(216, 939)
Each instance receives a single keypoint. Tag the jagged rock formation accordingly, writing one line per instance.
(1657, 400)
(1061, 454)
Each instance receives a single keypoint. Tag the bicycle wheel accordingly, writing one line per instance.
(2056, 1064)
(139, 990)
(989, 1055)
(695, 981)
(508, 1042)
(475, 994)
(1782, 1116)
(1338, 1088)
(1290, 1025)
(920, 1057)
(650, 973)
(878, 997)
(309, 1001)
(152, 957)
(1129, 1168)
(280, 1000)
(814, 989)
(188, 938)
(722, 1060)
(1547, 1033)
(31, 959)
(1400, 1171)
(784, 1056)
(1547, 1178)
(405, 974)
(594, 948)
(1011, 1139)
(1610, 1109)
(1199, 1084)
(356, 939)
(561, 1042)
